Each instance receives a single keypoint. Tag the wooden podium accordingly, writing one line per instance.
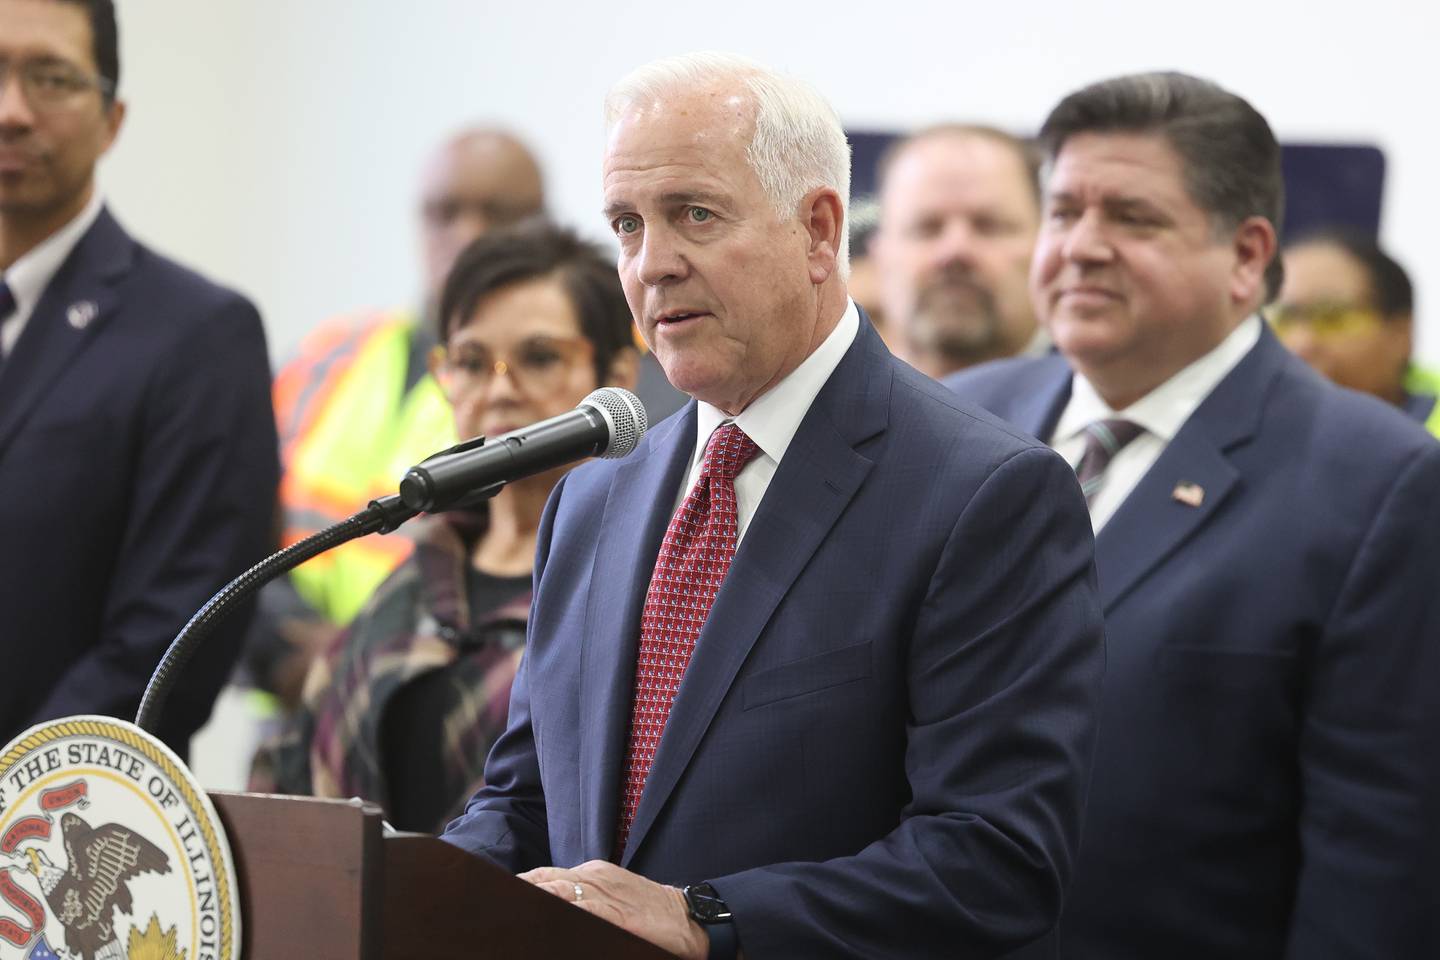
(318, 878)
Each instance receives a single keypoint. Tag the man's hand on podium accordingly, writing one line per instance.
(649, 910)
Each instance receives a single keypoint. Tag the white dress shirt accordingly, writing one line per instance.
(1161, 412)
(771, 420)
(31, 274)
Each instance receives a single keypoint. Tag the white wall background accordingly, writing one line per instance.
(275, 144)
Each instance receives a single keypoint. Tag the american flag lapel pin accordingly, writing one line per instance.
(1190, 494)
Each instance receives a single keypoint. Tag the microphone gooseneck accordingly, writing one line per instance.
(608, 423)
(381, 516)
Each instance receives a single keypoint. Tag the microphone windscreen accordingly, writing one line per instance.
(625, 415)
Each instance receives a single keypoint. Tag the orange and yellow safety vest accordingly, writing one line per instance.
(350, 426)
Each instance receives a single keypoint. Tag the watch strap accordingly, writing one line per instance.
(724, 941)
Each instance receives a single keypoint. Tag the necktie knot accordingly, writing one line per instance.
(727, 453)
(1103, 439)
(1110, 436)
(7, 300)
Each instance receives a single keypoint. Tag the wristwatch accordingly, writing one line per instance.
(705, 904)
(714, 916)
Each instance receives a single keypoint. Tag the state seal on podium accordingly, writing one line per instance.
(109, 850)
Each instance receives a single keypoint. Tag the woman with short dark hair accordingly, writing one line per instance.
(403, 708)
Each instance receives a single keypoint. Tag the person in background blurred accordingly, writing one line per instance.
(403, 707)
(959, 207)
(357, 406)
(137, 441)
(1347, 309)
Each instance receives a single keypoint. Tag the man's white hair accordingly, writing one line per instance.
(798, 143)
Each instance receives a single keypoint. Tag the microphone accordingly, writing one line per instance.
(608, 423)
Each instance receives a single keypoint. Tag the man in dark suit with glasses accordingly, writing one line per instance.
(137, 444)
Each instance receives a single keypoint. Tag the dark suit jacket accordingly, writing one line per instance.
(138, 471)
(1258, 786)
(882, 742)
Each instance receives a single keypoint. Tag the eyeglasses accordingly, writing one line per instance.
(51, 83)
(537, 365)
(1323, 320)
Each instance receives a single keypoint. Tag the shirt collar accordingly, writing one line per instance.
(1164, 410)
(31, 274)
(772, 419)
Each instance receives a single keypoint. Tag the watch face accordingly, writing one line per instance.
(705, 904)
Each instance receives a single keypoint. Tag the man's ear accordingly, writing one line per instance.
(624, 369)
(1255, 245)
(1399, 340)
(823, 217)
(114, 120)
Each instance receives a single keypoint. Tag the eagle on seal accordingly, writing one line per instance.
(84, 896)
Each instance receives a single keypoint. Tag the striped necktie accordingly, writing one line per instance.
(7, 308)
(1103, 439)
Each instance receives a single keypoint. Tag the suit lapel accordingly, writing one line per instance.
(1151, 524)
(817, 479)
(1156, 519)
(79, 300)
(1037, 411)
(637, 512)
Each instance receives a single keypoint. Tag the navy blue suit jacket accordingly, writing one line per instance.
(138, 471)
(882, 742)
(1260, 780)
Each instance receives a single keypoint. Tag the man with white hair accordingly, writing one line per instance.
(825, 651)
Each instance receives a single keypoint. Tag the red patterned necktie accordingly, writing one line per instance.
(694, 558)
